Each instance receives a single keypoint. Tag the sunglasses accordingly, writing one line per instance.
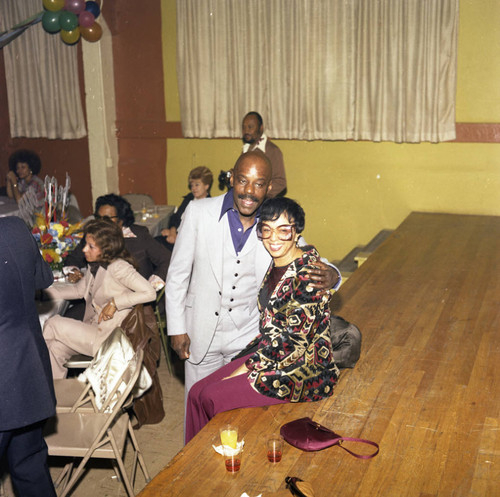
(109, 218)
(283, 232)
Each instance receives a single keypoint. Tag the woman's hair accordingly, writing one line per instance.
(108, 237)
(203, 173)
(123, 208)
(272, 209)
(27, 156)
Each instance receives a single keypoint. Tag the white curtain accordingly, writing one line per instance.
(42, 78)
(319, 69)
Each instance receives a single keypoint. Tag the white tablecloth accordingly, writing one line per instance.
(8, 207)
(48, 306)
(155, 219)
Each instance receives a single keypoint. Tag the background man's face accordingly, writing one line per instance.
(251, 130)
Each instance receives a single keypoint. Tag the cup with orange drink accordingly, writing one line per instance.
(230, 448)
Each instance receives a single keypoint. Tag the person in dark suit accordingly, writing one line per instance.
(26, 388)
(151, 257)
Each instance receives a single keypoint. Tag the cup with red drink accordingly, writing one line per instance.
(274, 448)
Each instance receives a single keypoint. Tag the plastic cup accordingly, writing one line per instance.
(232, 458)
(274, 448)
(229, 436)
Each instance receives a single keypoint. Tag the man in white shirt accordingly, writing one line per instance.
(254, 138)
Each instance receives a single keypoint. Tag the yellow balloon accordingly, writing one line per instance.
(70, 37)
(53, 5)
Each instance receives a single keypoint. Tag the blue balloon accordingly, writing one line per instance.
(93, 7)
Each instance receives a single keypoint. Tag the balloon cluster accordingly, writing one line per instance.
(73, 19)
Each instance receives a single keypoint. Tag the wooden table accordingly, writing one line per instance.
(426, 388)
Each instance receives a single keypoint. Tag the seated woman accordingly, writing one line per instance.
(293, 361)
(199, 181)
(150, 257)
(24, 166)
(111, 287)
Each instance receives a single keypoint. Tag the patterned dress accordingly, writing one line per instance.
(294, 358)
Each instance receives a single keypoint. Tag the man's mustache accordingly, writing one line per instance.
(248, 197)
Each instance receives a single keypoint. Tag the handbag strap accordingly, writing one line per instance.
(362, 440)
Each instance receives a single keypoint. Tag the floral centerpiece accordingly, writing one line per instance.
(56, 240)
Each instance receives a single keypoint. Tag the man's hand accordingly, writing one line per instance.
(180, 343)
(322, 276)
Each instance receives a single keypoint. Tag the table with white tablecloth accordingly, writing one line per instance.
(8, 206)
(47, 306)
(155, 218)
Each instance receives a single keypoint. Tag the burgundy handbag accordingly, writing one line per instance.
(306, 434)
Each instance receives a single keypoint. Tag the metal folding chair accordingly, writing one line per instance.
(82, 430)
(162, 329)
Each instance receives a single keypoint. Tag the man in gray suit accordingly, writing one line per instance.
(216, 270)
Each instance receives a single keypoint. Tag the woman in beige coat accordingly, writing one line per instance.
(111, 288)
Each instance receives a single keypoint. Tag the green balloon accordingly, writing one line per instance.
(50, 21)
(68, 21)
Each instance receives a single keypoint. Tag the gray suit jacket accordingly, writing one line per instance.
(194, 278)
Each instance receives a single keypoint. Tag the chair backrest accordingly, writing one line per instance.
(109, 370)
(139, 200)
(126, 383)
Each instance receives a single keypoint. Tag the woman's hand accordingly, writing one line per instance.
(74, 275)
(323, 277)
(108, 311)
(11, 177)
(170, 234)
(173, 236)
(11, 186)
(241, 370)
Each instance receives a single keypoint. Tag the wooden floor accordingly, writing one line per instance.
(427, 386)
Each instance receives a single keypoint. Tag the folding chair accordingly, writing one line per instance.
(84, 430)
(162, 328)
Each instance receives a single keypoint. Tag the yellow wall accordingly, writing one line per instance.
(352, 190)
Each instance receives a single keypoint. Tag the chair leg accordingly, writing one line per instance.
(125, 480)
(78, 471)
(164, 340)
(166, 351)
(64, 476)
(137, 455)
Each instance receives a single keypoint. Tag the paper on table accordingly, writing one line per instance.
(218, 448)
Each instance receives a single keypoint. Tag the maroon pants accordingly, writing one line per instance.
(213, 394)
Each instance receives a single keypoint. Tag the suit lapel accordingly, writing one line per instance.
(213, 233)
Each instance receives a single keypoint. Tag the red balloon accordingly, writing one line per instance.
(92, 33)
(75, 6)
(86, 19)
